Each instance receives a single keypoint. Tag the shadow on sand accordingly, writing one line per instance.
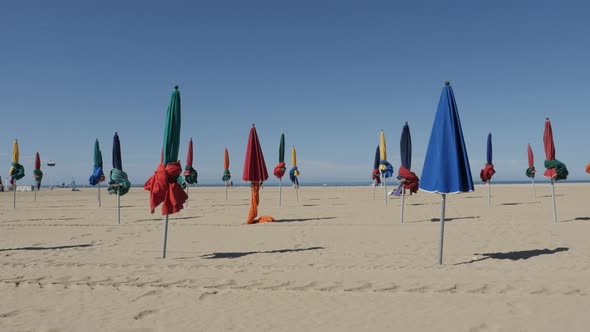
(520, 203)
(49, 248)
(231, 255)
(582, 218)
(516, 255)
(303, 219)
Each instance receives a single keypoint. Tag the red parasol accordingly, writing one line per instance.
(254, 165)
(549, 148)
(255, 172)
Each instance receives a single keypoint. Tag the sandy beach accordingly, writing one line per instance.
(337, 261)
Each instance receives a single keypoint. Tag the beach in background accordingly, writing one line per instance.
(337, 260)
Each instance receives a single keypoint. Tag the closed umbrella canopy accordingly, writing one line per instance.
(190, 174)
(97, 171)
(294, 172)
(488, 171)
(17, 171)
(226, 174)
(254, 164)
(37, 174)
(530, 171)
(280, 169)
(255, 172)
(410, 180)
(118, 176)
(556, 170)
(165, 186)
(446, 166)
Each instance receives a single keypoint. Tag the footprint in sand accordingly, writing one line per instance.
(144, 313)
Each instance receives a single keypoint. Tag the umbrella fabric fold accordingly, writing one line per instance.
(190, 174)
(37, 174)
(386, 168)
(487, 172)
(165, 189)
(556, 170)
(588, 168)
(411, 181)
(226, 174)
(97, 171)
(121, 179)
(165, 186)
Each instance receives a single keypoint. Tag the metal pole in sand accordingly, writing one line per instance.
(442, 229)
(534, 191)
(384, 188)
(401, 213)
(226, 190)
(280, 192)
(165, 237)
(14, 195)
(118, 207)
(489, 193)
(553, 195)
(98, 193)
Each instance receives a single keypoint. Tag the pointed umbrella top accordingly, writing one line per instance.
(446, 166)
(530, 172)
(117, 161)
(406, 147)
(489, 149)
(254, 164)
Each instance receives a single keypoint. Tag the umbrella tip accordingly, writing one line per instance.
(447, 83)
(547, 119)
(176, 87)
(253, 125)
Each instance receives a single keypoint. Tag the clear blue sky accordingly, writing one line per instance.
(329, 74)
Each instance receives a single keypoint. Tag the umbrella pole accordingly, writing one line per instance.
(442, 229)
(401, 214)
(489, 193)
(280, 192)
(14, 194)
(98, 193)
(226, 190)
(385, 189)
(118, 207)
(187, 185)
(297, 192)
(374, 189)
(553, 194)
(534, 191)
(35, 190)
(165, 237)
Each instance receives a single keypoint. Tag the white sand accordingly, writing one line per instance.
(339, 262)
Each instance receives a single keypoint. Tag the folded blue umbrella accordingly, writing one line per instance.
(446, 165)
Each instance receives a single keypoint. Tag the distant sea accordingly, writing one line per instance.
(392, 183)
